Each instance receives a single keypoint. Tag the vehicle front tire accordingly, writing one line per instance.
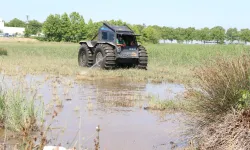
(85, 56)
(104, 56)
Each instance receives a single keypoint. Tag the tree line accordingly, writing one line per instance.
(73, 28)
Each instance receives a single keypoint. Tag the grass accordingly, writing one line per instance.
(168, 105)
(221, 103)
(167, 62)
(19, 116)
(16, 111)
(222, 85)
(3, 51)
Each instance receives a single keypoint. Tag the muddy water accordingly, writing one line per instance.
(114, 105)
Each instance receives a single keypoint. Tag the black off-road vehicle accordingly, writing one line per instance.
(113, 46)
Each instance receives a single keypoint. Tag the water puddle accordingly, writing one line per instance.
(114, 105)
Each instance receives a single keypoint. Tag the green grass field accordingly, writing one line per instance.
(167, 62)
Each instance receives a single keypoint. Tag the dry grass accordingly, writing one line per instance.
(14, 39)
(221, 103)
(233, 133)
(220, 87)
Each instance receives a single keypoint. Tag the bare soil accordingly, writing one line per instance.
(14, 39)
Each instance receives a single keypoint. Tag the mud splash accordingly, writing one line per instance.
(114, 105)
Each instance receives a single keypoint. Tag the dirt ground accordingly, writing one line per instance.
(14, 39)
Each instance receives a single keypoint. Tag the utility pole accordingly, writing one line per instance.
(27, 17)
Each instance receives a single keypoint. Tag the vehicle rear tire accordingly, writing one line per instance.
(85, 56)
(143, 58)
(104, 56)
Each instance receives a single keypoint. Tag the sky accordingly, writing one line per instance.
(172, 13)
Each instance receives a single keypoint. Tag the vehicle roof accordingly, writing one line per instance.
(121, 28)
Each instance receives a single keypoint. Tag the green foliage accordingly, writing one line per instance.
(65, 27)
(34, 27)
(168, 33)
(189, 34)
(244, 101)
(77, 28)
(52, 28)
(72, 28)
(15, 23)
(157, 104)
(205, 34)
(245, 35)
(179, 34)
(16, 111)
(232, 34)
(27, 32)
(150, 35)
(218, 34)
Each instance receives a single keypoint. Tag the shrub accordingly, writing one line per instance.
(223, 86)
(3, 51)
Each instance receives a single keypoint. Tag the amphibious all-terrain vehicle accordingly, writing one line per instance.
(113, 46)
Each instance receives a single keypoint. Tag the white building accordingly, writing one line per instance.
(11, 30)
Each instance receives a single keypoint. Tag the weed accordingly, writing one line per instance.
(3, 51)
(157, 104)
(220, 86)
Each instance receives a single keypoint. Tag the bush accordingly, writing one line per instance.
(223, 86)
(3, 51)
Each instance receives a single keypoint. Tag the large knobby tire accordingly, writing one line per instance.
(143, 58)
(85, 56)
(104, 56)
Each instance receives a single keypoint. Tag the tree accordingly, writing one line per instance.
(116, 22)
(218, 34)
(78, 30)
(34, 26)
(179, 34)
(204, 34)
(27, 32)
(92, 29)
(15, 23)
(150, 35)
(159, 30)
(245, 35)
(232, 34)
(168, 33)
(52, 28)
(189, 34)
(65, 26)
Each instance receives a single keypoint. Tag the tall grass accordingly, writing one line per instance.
(17, 112)
(222, 84)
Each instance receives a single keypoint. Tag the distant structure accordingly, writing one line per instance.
(11, 30)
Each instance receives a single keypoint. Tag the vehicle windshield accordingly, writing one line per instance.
(128, 40)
